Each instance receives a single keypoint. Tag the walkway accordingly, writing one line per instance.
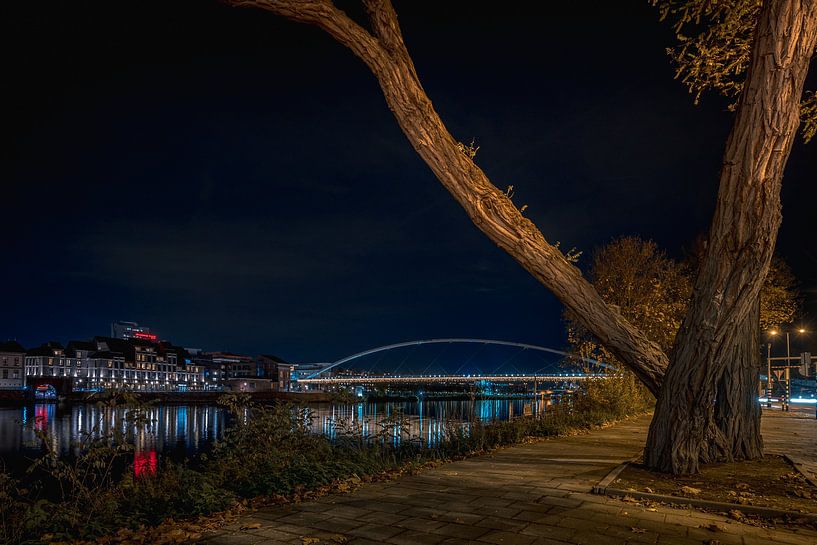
(535, 493)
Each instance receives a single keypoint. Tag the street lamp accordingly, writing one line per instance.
(787, 393)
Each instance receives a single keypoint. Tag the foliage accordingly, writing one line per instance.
(649, 289)
(470, 150)
(619, 393)
(714, 51)
(652, 292)
(809, 115)
(779, 297)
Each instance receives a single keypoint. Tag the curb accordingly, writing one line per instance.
(603, 489)
(798, 465)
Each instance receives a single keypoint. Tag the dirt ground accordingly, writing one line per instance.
(770, 482)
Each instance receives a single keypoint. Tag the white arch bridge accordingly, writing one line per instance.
(316, 377)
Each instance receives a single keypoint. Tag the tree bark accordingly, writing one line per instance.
(492, 211)
(737, 411)
(703, 413)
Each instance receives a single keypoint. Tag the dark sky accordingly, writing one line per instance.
(236, 181)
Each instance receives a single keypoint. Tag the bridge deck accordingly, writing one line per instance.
(578, 377)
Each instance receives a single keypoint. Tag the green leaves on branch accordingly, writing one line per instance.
(714, 49)
(715, 42)
(808, 112)
(470, 150)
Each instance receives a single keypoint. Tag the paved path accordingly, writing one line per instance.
(793, 433)
(535, 493)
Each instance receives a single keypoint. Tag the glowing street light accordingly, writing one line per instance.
(774, 333)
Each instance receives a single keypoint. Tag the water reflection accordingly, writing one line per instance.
(179, 431)
(424, 422)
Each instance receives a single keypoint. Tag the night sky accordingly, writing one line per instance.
(236, 181)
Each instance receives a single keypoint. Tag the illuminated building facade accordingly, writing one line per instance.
(233, 365)
(12, 357)
(107, 362)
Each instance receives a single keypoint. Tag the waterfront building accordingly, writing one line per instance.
(213, 373)
(108, 362)
(248, 384)
(12, 358)
(49, 360)
(275, 369)
(234, 365)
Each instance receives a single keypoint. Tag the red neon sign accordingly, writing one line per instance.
(148, 336)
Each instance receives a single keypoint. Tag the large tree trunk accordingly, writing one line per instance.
(737, 411)
(704, 412)
(723, 422)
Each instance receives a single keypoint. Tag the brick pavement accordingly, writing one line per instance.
(534, 493)
(793, 433)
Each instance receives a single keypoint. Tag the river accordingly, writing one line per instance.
(181, 431)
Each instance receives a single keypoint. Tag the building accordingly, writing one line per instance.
(107, 362)
(233, 365)
(248, 384)
(49, 360)
(275, 369)
(131, 330)
(12, 361)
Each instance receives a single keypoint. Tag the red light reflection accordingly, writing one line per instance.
(144, 463)
(41, 417)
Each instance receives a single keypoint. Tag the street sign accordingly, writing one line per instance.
(805, 364)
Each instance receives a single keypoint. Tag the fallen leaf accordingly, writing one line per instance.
(638, 530)
(690, 490)
(251, 526)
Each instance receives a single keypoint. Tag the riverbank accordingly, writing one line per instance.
(273, 454)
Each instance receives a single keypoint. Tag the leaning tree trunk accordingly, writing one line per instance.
(704, 413)
(382, 49)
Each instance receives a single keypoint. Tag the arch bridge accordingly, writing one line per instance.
(318, 377)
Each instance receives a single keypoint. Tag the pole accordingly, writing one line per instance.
(788, 374)
(769, 375)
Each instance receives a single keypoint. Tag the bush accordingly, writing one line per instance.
(620, 394)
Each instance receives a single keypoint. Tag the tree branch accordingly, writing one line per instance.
(490, 209)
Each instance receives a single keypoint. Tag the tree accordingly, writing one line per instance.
(648, 288)
(780, 300)
(702, 412)
(652, 291)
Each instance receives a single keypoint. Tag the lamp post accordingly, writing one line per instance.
(769, 376)
(787, 388)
